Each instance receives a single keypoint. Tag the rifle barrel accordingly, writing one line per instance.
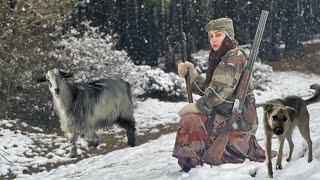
(255, 49)
(184, 58)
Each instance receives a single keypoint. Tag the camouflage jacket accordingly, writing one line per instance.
(221, 91)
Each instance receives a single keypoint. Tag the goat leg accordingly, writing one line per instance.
(73, 152)
(131, 135)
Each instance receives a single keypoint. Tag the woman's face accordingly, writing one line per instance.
(216, 37)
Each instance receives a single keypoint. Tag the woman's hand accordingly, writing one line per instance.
(190, 108)
(184, 68)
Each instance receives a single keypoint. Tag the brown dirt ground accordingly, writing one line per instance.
(305, 59)
(111, 140)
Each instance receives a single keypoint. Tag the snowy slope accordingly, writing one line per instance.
(153, 160)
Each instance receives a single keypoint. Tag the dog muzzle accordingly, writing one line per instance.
(278, 130)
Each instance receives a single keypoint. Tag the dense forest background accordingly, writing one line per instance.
(143, 25)
(31, 31)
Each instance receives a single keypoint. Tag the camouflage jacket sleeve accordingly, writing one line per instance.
(198, 85)
(224, 82)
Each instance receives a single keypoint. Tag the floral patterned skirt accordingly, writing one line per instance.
(192, 140)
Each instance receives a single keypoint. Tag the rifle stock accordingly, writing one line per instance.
(216, 149)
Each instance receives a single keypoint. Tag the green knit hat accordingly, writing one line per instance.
(222, 24)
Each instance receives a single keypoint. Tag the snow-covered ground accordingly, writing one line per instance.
(153, 160)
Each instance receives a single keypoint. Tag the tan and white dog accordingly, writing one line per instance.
(281, 116)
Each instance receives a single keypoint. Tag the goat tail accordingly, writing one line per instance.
(316, 97)
(128, 86)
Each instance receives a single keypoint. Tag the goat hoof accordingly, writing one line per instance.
(310, 159)
(288, 159)
(132, 140)
(270, 175)
(132, 144)
(73, 153)
(278, 166)
(93, 143)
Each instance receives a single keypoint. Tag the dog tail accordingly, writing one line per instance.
(316, 97)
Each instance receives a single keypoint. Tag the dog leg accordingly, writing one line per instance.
(291, 146)
(305, 132)
(280, 153)
(268, 153)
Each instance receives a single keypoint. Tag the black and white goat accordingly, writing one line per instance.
(85, 107)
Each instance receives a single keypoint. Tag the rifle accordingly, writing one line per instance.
(170, 57)
(184, 58)
(217, 147)
(183, 40)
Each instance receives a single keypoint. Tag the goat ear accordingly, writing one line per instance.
(292, 112)
(41, 79)
(268, 107)
(66, 75)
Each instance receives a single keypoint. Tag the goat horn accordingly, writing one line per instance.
(41, 79)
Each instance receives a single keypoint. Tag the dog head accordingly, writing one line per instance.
(278, 116)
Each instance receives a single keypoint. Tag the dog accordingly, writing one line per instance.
(281, 116)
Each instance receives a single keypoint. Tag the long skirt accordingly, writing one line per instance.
(192, 141)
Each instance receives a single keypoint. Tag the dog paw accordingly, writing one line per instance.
(309, 160)
(278, 166)
(270, 175)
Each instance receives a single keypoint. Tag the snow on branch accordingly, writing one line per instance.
(92, 55)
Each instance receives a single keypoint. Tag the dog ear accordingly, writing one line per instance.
(292, 112)
(267, 107)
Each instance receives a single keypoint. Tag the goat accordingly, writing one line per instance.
(85, 107)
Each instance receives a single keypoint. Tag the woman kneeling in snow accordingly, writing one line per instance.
(202, 121)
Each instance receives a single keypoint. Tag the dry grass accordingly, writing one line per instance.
(305, 59)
